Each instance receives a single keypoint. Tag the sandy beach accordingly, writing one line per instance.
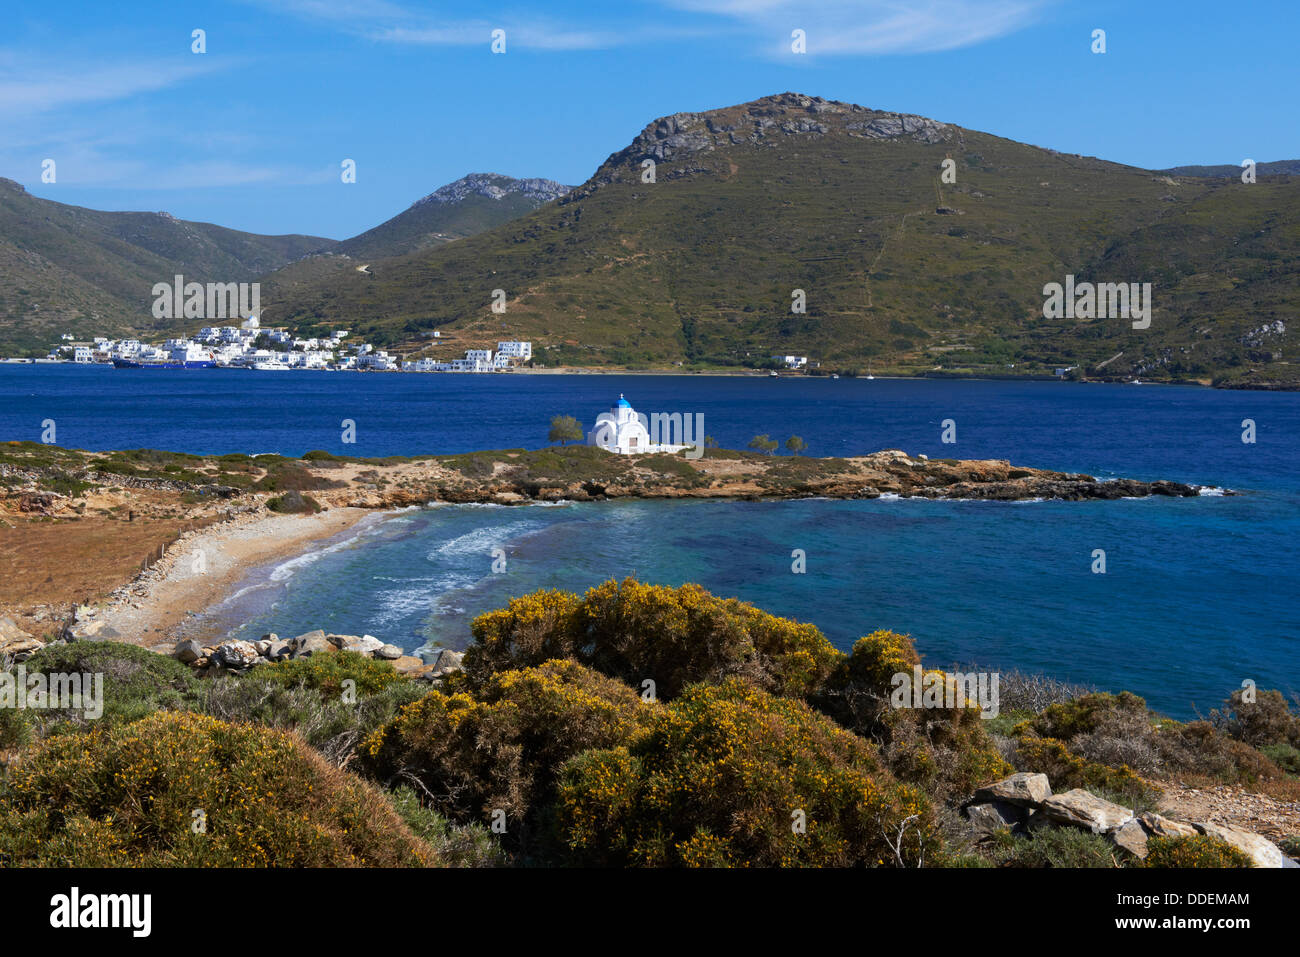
(204, 566)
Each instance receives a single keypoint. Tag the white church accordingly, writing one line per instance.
(622, 430)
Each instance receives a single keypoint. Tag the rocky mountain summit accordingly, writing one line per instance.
(495, 186)
(766, 122)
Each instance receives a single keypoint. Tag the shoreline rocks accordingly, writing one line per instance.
(238, 656)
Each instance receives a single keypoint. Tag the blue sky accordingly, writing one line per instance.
(251, 133)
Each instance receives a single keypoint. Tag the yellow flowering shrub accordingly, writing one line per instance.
(497, 748)
(1067, 770)
(672, 636)
(945, 750)
(187, 790)
(1194, 850)
(730, 774)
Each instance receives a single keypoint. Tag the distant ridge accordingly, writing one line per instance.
(470, 205)
(1277, 168)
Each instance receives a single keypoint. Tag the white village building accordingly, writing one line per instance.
(622, 430)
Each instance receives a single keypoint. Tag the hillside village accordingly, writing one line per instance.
(252, 346)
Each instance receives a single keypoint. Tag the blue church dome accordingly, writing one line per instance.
(623, 403)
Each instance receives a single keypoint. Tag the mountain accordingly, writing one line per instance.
(469, 206)
(69, 269)
(902, 271)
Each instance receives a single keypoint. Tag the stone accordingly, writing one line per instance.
(1022, 788)
(388, 653)
(1259, 849)
(235, 655)
(1085, 809)
(312, 643)
(262, 646)
(9, 631)
(409, 665)
(278, 650)
(365, 645)
(995, 816)
(86, 630)
(271, 636)
(187, 652)
(1132, 837)
(447, 661)
(1159, 826)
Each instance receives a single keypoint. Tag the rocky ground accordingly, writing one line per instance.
(1024, 803)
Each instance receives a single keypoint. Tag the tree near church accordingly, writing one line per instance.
(564, 428)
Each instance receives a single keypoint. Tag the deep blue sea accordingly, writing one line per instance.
(1199, 594)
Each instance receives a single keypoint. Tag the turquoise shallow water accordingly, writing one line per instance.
(1199, 595)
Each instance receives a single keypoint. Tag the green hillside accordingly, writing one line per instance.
(69, 269)
(901, 271)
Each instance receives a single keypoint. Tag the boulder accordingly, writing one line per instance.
(1259, 849)
(1085, 809)
(312, 643)
(1023, 789)
(365, 645)
(1132, 837)
(262, 646)
(409, 665)
(278, 650)
(1159, 826)
(271, 636)
(995, 816)
(235, 655)
(188, 652)
(388, 653)
(9, 631)
(85, 630)
(447, 661)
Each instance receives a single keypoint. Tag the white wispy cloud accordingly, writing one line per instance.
(28, 88)
(386, 22)
(872, 27)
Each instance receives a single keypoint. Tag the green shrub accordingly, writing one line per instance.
(1194, 850)
(126, 795)
(321, 717)
(721, 776)
(293, 503)
(453, 845)
(1284, 756)
(1054, 847)
(137, 681)
(326, 673)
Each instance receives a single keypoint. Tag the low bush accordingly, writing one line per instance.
(497, 748)
(136, 682)
(672, 636)
(326, 673)
(293, 503)
(187, 790)
(1194, 850)
(729, 775)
